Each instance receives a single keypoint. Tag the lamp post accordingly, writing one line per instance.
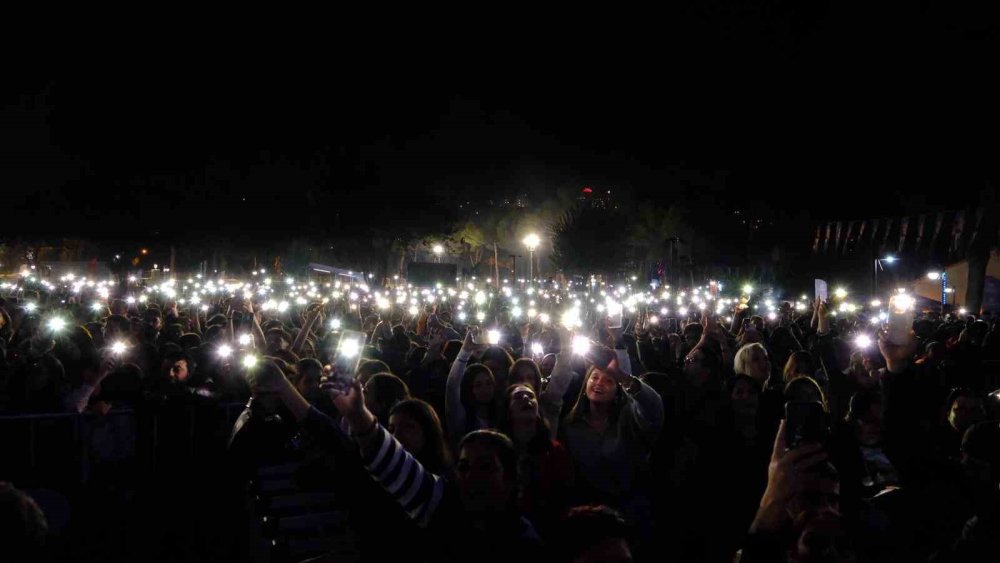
(438, 251)
(878, 266)
(531, 241)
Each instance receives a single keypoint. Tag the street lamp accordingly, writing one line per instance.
(531, 241)
(878, 266)
(438, 251)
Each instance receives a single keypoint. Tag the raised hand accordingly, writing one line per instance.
(350, 402)
(788, 474)
(897, 356)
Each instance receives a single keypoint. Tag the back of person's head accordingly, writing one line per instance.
(308, 366)
(368, 368)
(862, 403)
(692, 332)
(24, 526)
(799, 363)
(451, 349)
(981, 442)
(804, 388)
(744, 357)
(382, 392)
(526, 370)
(592, 534)
(190, 340)
(415, 356)
(123, 385)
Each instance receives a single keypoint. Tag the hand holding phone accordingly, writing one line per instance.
(347, 358)
(805, 423)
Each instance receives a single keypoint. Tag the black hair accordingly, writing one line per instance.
(585, 527)
(435, 456)
(503, 446)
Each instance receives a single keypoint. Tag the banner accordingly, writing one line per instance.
(920, 232)
(956, 232)
(937, 230)
(903, 227)
(847, 237)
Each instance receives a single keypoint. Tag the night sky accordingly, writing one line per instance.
(840, 112)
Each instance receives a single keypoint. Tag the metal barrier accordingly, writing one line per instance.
(36, 445)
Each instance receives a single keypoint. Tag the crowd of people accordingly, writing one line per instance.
(474, 431)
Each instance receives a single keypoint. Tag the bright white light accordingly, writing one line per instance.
(933, 275)
(335, 324)
(889, 259)
(571, 318)
(249, 361)
(96, 307)
(863, 341)
(531, 241)
(462, 316)
(654, 319)
(902, 303)
(873, 320)
(130, 300)
(876, 303)
(516, 312)
(143, 298)
(545, 318)
(747, 289)
(413, 311)
(31, 307)
(350, 347)
(245, 339)
(438, 249)
(581, 345)
(962, 311)
(772, 316)
(57, 324)
(840, 293)
(493, 336)
(118, 348)
(537, 349)
(283, 306)
(481, 316)
(480, 298)
(683, 311)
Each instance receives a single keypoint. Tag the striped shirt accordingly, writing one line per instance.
(417, 490)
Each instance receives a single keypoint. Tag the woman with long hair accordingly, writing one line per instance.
(469, 393)
(611, 430)
(544, 469)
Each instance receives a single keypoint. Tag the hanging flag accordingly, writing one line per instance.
(937, 230)
(826, 241)
(885, 236)
(903, 227)
(847, 237)
(861, 233)
(920, 232)
(816, 239)
(836, 240)
(874, 232)
(975, 229)
(956, 232)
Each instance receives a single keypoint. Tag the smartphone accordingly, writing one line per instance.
(900, 320)
(615, 315)
(822, 290)
(805, 422)
(347, 358)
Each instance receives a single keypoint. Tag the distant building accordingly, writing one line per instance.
(597, 198)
